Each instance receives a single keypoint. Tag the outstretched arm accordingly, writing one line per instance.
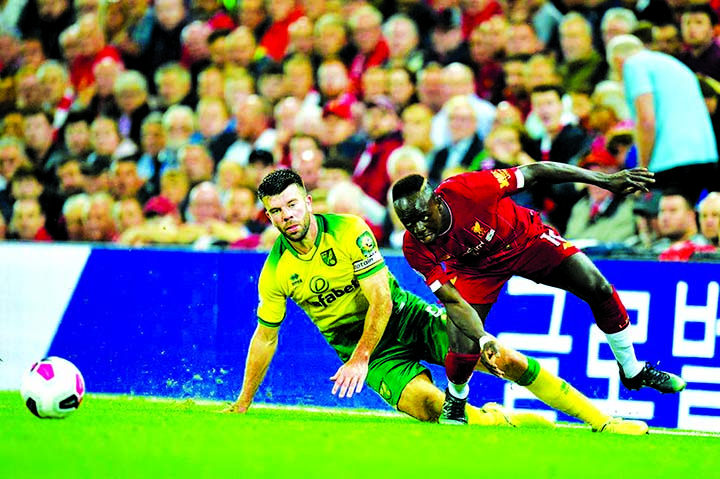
(351, 376)
(262, 349)
(621, 182)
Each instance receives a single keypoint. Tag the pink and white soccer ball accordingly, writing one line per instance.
(53, 388)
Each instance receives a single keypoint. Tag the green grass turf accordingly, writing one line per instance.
(112, 437)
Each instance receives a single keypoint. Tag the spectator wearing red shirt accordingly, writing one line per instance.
(28, 221)
(382, 126)
(276, 39)
(373, 50)
(93, 49)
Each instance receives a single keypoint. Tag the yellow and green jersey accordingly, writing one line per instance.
(325, 281)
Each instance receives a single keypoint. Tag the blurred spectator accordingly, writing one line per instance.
(99, 221)
(101, 98)
(701, 51)
(710, 90)
(582, 65)
(213, 126)
(276, 38)
(366, 27)
(562, 143)
(301, 41)
(600, 215)
(241, 50)
(330, 39)
(175, 186)
(126, 182)
(26, 184)
(465, 144)
(430, 87)
(404, 161)
(339, 134)
(195, 49)
(39, 146)
(486, 51)
(106, 141)
(173, 84)
(69, 175)
(416, 125)
(28, 94)
(617, 21)
(300, 82)
(253, 129)
(403, 39)
(374, 82)
(92, 50)
(252, 14)
(164, 42)
(666, 39)
(131, 94)
(210, 83)
(127, 213)
(96, 175)
(347, 197)
(179, 123)
(12, 157)
(271, 83)
(260, 163)
(382, 126)
(401, 88)
(307, 159)
(229, 175)
(58, 94)
(447, 36)
(195, 161)
(673, 133)
(73, 216)
(28, 221)
(154, 158)
(240, 206)
(522, 39)
(677, 222)
(46, 19)
(709, 210)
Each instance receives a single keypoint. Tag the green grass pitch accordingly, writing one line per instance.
(122, 436)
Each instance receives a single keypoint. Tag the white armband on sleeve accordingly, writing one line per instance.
(520, 178)
(435, 285)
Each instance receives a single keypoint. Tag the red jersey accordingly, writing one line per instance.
(489, 234)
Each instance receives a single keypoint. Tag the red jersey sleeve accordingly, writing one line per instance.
(424, 262)
(479, 186)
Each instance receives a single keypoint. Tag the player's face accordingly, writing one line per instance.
(420, 214)
(290, 212)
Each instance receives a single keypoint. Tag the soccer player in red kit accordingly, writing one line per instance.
(467, 238)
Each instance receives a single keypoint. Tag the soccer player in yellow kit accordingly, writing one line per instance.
(330, 265)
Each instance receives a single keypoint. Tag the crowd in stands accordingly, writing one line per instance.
(144, 122)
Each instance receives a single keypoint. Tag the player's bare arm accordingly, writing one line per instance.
(350, 377)
(467, 320)
(622, 182)
(261, 351)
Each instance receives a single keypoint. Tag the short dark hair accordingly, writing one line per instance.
(407, 186)
(545, 87)
(277, 181)
(702, 8)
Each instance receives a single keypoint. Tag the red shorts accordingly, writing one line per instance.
(535, 261)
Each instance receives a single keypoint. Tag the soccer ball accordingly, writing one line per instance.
(53, 388)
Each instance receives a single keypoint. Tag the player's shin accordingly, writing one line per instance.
(612, 319)
(560, 395)
(459, 368)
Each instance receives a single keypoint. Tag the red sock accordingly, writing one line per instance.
(610, 315)
(459, 367)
